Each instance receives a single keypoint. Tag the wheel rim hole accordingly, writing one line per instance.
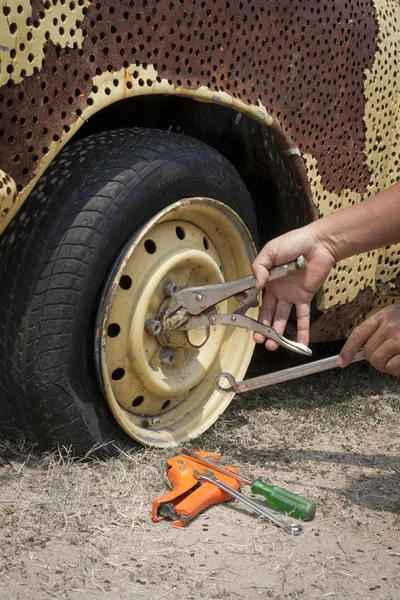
(150, 246)
(118, 374)
(138, 401)
(125, 282)
(180, 233)
(206, 243)
(166, 404)
(113, 330)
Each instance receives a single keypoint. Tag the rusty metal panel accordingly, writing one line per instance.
(379, 269)
(322, 76)
(303, 61)
(337, 322)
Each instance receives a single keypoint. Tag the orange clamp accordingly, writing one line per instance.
(189, 496)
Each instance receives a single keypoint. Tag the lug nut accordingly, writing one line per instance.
(171, 288)
(167, 356)
(153, 327)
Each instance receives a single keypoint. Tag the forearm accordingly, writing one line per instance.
(371, 224)
(374, 223)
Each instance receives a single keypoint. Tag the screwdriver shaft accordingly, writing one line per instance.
(293, 528)
(215, 466)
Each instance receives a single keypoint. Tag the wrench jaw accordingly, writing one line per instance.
(181, 320)
(293, 529)
(226, 390)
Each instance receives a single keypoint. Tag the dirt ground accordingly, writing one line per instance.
(80, 530)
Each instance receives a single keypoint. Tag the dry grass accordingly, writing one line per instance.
(82, 529)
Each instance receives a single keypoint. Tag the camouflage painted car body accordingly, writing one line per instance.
(322, 78)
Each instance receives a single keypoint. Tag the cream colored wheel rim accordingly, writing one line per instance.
(193, 242)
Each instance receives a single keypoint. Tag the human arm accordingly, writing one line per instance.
(371, 224)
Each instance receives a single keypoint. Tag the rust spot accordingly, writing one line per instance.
(38, 8)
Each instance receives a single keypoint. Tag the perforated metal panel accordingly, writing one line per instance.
(376, 270)
(323, 76)
(304, 61)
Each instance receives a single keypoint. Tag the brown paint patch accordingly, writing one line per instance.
(304, 61)
(337, 322)
(38, 8)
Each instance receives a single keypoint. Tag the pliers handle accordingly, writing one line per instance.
(195, 307)
(196, 300)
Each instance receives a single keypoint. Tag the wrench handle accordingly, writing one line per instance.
(196, 299)
(244, 322)
(317, 366)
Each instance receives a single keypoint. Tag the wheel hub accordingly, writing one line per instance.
(152, 381)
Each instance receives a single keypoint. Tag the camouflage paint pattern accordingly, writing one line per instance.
(322, 76)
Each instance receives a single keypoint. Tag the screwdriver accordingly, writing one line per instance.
(209, 476)
(277, 497)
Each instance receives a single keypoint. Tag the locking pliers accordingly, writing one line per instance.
(195, 307)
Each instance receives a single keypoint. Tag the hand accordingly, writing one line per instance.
(297, 288)
(379, 336)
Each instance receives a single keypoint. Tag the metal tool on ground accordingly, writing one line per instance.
(195, 307)
(278, 498)
(209, 476)
(317, 366)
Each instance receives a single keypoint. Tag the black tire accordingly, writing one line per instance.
(55, 256)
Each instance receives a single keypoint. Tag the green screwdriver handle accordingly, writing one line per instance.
(284, 501)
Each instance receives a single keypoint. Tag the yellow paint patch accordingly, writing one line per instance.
(25, 44)
(348, 276)
(8, 194)
(139, 81)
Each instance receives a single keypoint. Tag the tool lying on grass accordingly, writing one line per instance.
(191, 308)
(209, 477)
(317, 366)
(277, 497)
(187, 498)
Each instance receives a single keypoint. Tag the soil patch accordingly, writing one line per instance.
(78, 530)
